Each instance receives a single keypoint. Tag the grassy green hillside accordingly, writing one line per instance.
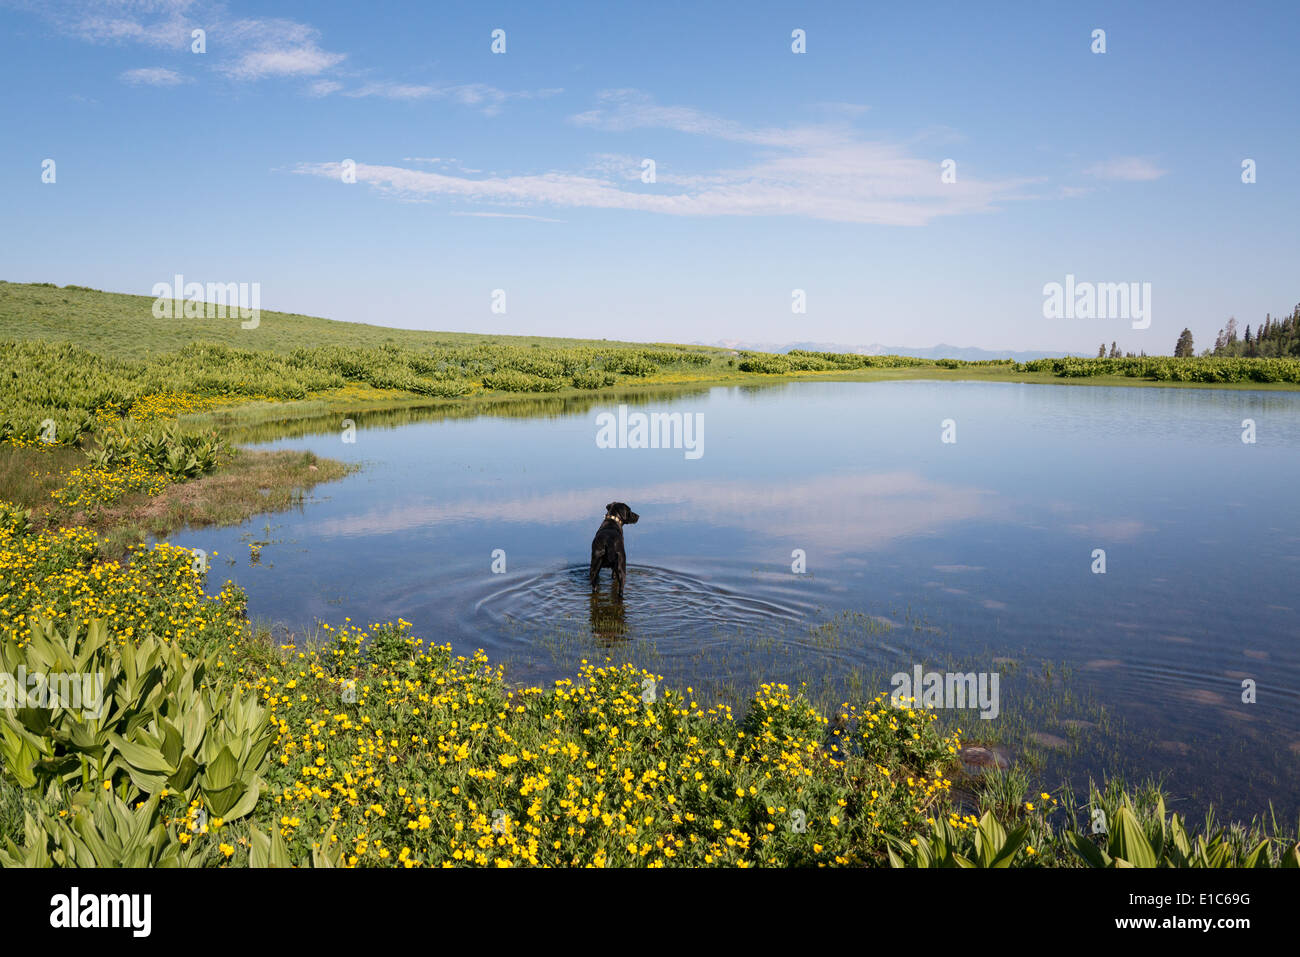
(73, 352)
(116, 324)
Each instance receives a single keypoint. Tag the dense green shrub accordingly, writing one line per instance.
(52, 391)
(1207, 369)
(764, 363)
(593, 379)
(158, 448)
(511, 381)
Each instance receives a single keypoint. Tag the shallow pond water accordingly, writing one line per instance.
(975, 555)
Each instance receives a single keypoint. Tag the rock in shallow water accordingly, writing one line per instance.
(977, 758)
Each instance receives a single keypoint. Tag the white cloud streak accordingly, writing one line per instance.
(251, 49)
(817, 172)
(480, 96)
(277, 48)
(153, 76)
(1132, 169)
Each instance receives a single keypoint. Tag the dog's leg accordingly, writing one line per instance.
(595, 570)
(620, 570)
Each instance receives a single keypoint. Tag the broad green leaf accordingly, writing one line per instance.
(222, 772)
(140, 757)
(1083, 846)
(1128, 842)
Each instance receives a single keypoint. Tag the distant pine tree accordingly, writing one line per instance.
(1184, 346)
(1275, 337)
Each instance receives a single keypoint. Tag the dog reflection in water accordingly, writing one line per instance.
(608, 623)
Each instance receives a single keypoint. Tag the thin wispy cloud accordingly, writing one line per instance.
(1133, 169)
(621, 110)
(539, 219)
(153, 76)
(826, 173)
(275, 48)
(843, 109)
(251, 49)
(392, 91)
(160, 23)
(301, 61)
(481, 96)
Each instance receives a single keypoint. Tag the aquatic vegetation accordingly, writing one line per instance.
(1114, 828)
(1124, 830)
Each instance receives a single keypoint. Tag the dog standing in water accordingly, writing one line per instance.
(607, 546)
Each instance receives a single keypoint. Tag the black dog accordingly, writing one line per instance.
(607, 546)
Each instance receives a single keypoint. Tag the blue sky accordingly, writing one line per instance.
(775, 171)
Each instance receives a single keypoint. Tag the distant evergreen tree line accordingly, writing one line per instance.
(1273, 339)
(1115, 353)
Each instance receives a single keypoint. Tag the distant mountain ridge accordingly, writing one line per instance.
(941, 351)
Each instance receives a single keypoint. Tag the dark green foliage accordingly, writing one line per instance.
(59, 381)
(1208, 369)
(1276, 338)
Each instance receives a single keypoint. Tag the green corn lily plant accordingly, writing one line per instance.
(102, 832)
(160, 724)
(988, 844)
(1166, 843)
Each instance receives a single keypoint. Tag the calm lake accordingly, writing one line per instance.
(976, 555)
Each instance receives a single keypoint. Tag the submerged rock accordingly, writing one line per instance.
(978, 758)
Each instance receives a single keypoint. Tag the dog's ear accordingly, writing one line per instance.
(609, 509)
